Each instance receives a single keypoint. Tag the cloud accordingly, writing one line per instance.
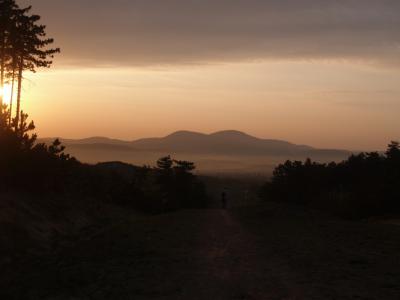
(169, 32)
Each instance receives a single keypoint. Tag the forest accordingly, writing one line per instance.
(364, 185)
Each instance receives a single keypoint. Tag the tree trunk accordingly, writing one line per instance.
(12, 94)
(17, 116)
(3, 62)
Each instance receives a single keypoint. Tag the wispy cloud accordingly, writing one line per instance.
(143, 32)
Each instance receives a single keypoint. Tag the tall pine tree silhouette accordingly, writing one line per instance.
(7, 9)
(30, 49)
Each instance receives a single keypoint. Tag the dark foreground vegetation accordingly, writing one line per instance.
(41, 170)
(364, 185)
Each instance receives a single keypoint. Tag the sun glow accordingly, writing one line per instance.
(5, 91)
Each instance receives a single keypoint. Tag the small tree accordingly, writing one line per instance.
(4, 125)
(165, 163)
(184, 166)
(393, 151)
(23, 131)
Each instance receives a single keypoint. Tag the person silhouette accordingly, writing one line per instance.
(223, 200)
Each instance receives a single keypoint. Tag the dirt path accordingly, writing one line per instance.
(232, 267)
(268, 253)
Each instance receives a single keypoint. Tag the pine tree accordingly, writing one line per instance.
(184, 166)
(7, 9)
(165, 163)
(28, 49)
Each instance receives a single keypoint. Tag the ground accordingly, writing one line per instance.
(263, 252)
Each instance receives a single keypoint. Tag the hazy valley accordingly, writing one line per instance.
(223, 152)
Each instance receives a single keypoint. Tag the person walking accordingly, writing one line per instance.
(223, 200)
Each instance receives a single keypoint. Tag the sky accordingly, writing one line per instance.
(322, 73)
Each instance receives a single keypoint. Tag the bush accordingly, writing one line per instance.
(26, 165)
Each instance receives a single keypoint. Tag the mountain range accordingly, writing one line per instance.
(223, 151)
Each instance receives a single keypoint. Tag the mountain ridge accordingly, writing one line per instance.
(220, 142)
(221, 150)
(176, 134)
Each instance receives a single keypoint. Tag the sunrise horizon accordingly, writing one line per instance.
(323, 80)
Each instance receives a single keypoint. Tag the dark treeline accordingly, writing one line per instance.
(169, 186)
(46, 171)
(364, 185)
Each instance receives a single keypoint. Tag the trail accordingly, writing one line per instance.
(231, 265)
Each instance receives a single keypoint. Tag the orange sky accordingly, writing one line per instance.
(321, 104)
(324, 75)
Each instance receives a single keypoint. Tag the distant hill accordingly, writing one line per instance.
(223, 142)
(223, 151)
